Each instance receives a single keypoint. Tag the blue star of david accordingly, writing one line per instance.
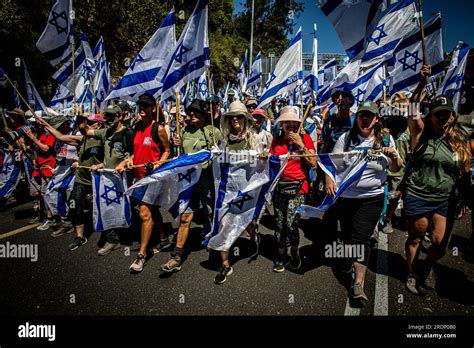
(292, 79)
(272, 77)
(137, 59)
(241, 198)
(54, 21)
(413, 66)
(181, 50)
(203, 87)
(382, 34)
(186, 176)
(5, 169)
(359, 97)
(109, 200)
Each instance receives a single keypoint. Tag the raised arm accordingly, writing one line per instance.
(415, 122)
(73, 140)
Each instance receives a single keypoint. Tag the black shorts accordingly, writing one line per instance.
(79, 202)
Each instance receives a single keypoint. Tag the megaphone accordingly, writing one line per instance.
(11, 137)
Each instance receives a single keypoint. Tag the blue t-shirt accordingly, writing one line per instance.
(333, 128)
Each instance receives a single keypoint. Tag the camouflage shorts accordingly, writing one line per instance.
(285, 206)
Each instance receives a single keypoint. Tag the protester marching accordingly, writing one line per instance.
(348, 147)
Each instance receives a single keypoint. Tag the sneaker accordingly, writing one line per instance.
(138, 264)
(295, 261)
(45, 225)
(107, 248)
(78, 242)
(387, 228)
(34, 220)
(357, 292)
(411, 284)
(62, 230)
(222, 275)
(173, 264)
(162, 245)
(429, 281)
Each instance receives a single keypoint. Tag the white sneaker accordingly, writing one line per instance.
(45, 225)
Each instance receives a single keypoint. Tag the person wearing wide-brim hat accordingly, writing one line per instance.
(238, 135)
(198, 135)
(439, 166)
(292, 187)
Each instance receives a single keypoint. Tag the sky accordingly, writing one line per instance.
(457, 24)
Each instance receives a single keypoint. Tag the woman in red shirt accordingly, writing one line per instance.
(150, 145)
(292, 186)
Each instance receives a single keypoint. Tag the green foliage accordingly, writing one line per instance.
(126, 26)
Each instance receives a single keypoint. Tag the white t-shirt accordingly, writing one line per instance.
(373, 177)
(264, 140)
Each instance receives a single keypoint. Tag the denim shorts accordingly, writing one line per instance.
(415, 208)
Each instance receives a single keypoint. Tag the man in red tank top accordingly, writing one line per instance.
(149, 147)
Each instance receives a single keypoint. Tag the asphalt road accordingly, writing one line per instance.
(80, 282)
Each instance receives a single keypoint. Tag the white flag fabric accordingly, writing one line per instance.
(191, 55)
(33, 97)
(147, 69)
(242, 75)
(452, 83)
(352, 20)
(59, 190)
(171, 185)
(63, 75)
(242, 187)
(327, 73)
(10, 173)
(62, 99)
(287, 74)
(399, 21)
(343, 169)
(54, 41)
(404, 67)
(255, 75)
(111, 207)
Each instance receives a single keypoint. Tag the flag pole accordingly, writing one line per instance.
(251, 37)
(422, 30)
(210, 109)
(93, 93)
(21, 96)
(178, 126)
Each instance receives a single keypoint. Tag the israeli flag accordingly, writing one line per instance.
(327, 73)
(241, 75)
(62, 98)
(203, 92)
(352, 20)
(288, 72)
(452, 83)
(59, 190)
(102, 83)
(55, 39)
(171, 185)
(244, 183)
(146, 71)
(368, 86)
(32, 95)
(255, 75)
(312, 77)
(343, 169)
(10, 173)
(191, 55)
(63, 75)
(399, 21)
(111, 207)
(404, 67)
